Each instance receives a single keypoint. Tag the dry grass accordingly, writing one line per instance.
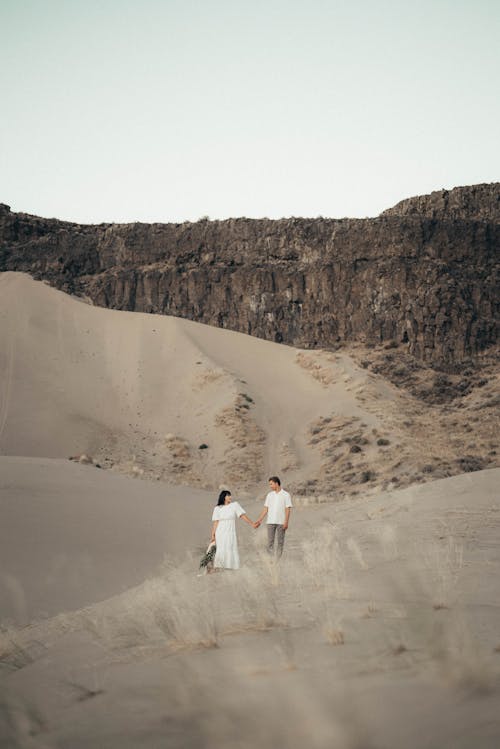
(315, 586)
(424, 425)
(243, 459)
(176, 610)
(324, 562)
(334, 636)
(286, 609)
(315, 364)
(208, 376)
(436, 624)
(443, 562)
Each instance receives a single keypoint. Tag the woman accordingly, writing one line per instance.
(224, 531)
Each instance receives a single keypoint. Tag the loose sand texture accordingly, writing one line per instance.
(378, 629)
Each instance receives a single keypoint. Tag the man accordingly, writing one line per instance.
(277, 508)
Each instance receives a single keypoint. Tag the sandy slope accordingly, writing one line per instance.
(379, 629)
(133, 389)
(72, 535)
(143, 393)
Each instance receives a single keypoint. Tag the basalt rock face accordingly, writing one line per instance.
(415, 274)
(479, 202)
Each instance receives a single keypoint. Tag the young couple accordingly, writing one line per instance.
(277, 509)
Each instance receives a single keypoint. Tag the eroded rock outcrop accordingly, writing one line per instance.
(424, 272)
(480, 202)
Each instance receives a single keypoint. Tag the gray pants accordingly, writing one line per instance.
(272, 528)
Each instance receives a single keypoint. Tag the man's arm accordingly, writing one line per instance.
(287, 517)
(261, 517)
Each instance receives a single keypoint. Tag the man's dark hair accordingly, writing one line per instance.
(276, 480)
(222, 497)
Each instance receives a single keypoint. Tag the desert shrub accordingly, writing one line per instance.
(334, 635)
(471, 463)
(367, 476)
(356, 439)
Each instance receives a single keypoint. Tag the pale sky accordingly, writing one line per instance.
(169, 110)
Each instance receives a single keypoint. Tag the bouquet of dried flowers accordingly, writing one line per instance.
(209, 555)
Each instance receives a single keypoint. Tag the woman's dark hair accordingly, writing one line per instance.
(222, 497)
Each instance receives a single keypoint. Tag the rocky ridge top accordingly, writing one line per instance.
(480, 202)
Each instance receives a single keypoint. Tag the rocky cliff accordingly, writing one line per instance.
(480, 202)
(424, 273)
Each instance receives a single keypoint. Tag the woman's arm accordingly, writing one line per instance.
(214, 528)
(247, 520)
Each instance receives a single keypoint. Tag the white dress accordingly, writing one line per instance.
(227, 555)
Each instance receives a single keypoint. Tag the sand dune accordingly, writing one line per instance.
(71, 535)
(379, 628)
(161, 387)
(381, 621)
(142, 394)
(141, 390)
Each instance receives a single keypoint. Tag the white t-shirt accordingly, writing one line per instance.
(276, 503)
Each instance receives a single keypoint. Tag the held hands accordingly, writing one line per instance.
(256, 524)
